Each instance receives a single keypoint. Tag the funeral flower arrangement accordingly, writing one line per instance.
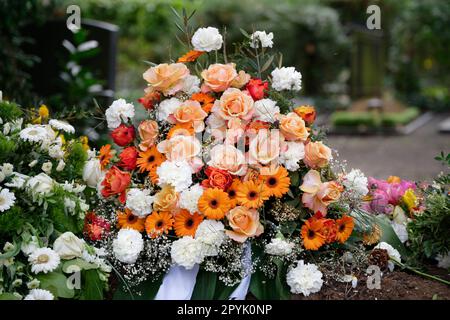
(42, 207)
(224, 172)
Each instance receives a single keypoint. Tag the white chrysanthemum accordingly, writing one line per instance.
(61, 125)
(279, 247)
(34, 133)
(139, 201)
(39, 294)
(43, 260)
(7, 199)
(262, 37)
(166, 108)
(191, 85)
(7, 169)
(443, 261)
(207, 39)
(305, 279)
(128, 245)
(286, 78)
(294, 153)
(400, 230)
(212, 234)
(356, 181)
(117, 112)
(178, 174)
(189, 198)
(392, 252)
(266, 110)
(187, 252)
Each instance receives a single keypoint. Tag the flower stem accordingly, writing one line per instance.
(421, 273)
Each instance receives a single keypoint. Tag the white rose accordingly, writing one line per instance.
(207, 39)
(266, 110)
(40, 184)
(92, 172)
(68, 246)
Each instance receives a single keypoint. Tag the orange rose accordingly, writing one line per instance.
(234, 104)
(329, 192)
(167, 78)
(217, 179)
(317, 155)
(265, 147)
(307, 113)
(115, 183)
(148, 131)
(218, 77)
(293, 127)
(190, 111)
(245, 224)
(180, 147)
(228, 158)
(241, 80)
(166, 199)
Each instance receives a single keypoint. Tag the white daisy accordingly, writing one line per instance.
(7, 199)
(43, 260)
(61, 125)
(39, 294)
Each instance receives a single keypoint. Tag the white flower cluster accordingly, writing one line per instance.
(39, 294)
(128, 245)
(7, 199)
(189, 198)
(392, 252)
(207, 39)
(286, 78)
(119, 111)
(294, 153)
(279, 247)
(139, 201)
(212, 234)
(178, 174)
(266, 110)
(356, 181)
(304, 279)
(262, 37)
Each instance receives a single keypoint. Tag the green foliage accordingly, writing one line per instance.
(75, 160)
(56, 283)
(372, 120)
(146, 290)
(9, 111)
(7, 148)
(10, 222)
(92, 286)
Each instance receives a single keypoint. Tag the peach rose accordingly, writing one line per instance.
(148, 131)
(245, 224)
(167, 78)
(317, 155)
(218, 77)
(265, 147)
(234, 104)
(307, 113)
(166, 199)
(317, 195)
(191, 111)
(181, 147)
(293, 127)
(241, 80)
(228, 158)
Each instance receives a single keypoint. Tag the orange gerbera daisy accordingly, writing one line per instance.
(181, 129)
(186, 223)
(344, 228)
(127, 219)
(190, 56)
(232, 192)
(153, 175)
(206, 101)
(214, 203)
(105, 155)
(158, 223)
(278, 183)
(149, 159)
(251, 194)
(312, 238)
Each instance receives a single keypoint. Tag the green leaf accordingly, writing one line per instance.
(56, 283)
(222, 291)
(147, 289)
(268, 63)
(295, 178)
(81, 264)
(264, 288)
(205, 286)
(244, 33)
(388, 235)
(8, 296)
(92, 288)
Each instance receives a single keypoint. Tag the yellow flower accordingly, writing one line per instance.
(410, 199)
(43, 111)
(85, 142)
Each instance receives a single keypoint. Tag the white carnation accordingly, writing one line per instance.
(294, 153)
(189, 198)
(356, 181)
(117, 112)
(392, 252)
(43, 260)
(262, 37)
(178, 174)
(286, 78)
(166, 108)
(266, 110)
(187, 252)
(191, 85)
(7, 199)
(128, 245)
(212, 234)
(207, 39)
(139, 202)
(305, 279)
(279, 247)
(61, 125)
(39, 294)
